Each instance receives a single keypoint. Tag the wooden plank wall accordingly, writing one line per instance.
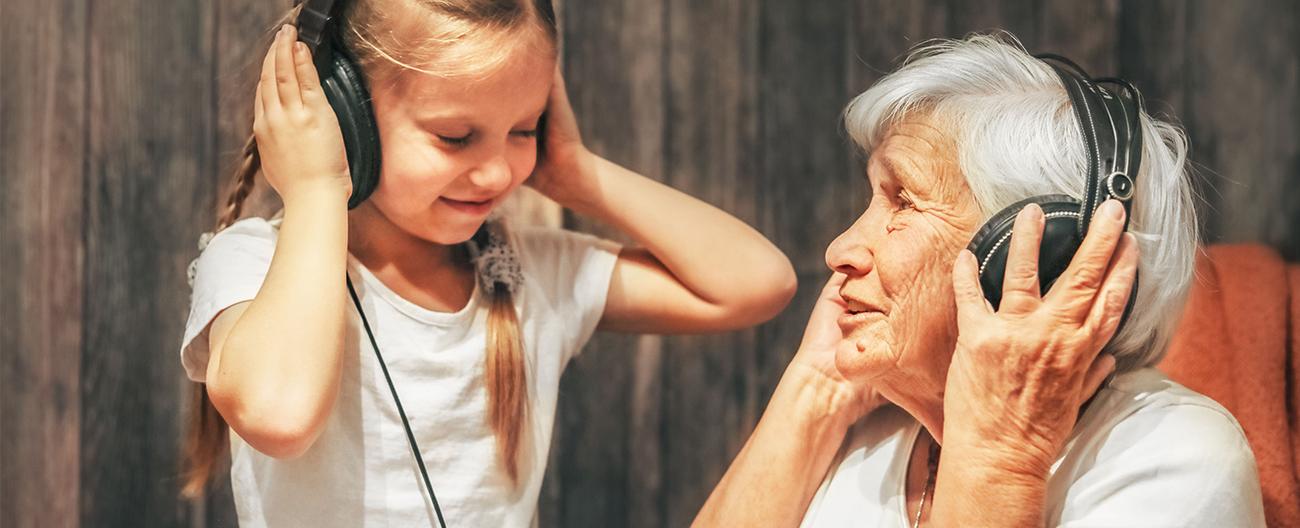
(119, 122)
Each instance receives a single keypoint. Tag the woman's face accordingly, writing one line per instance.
(453, 148)
(900, 326)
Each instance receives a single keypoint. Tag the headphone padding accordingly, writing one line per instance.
(1060, 240)
(346, 91)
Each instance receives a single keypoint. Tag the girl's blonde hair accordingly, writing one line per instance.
(445, 38)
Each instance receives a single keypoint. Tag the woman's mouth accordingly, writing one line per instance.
(475, 208)
(856, 313)
(850, 320)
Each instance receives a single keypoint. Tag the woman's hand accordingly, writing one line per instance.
(1020, 375)
(853, 399)
(773, 478)
(565, 168)
(298, 135)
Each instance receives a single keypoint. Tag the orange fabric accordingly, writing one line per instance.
(1237, 343)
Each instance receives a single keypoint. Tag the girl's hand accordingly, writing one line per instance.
(1020, 375)
(565, 168)
(817, 354)
(298, 135)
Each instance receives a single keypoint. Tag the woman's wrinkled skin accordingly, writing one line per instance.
(903, 320)
(900, 326)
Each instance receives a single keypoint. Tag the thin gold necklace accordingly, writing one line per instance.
(932, 466)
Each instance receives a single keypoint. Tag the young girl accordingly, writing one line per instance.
(280, 354)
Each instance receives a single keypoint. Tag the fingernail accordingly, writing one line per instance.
(1112, 209)
(1033, 211)
(967, 256)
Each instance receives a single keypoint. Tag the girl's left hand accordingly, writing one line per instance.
(565, 168)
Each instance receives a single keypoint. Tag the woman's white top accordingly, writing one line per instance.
(1147, 452)
(360, 471)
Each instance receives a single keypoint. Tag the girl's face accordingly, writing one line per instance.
(453, 148)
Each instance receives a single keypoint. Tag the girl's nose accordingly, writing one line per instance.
(494, 175)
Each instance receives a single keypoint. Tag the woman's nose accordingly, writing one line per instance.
(849, 253)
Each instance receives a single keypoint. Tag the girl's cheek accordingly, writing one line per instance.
(522, 161)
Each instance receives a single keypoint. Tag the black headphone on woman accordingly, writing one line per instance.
(1112, 130)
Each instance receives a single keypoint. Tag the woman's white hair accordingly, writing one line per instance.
(1017, 136)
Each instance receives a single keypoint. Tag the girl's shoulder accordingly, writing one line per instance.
(553, 247)
(564, 265)
(249, 239)
(251, 228)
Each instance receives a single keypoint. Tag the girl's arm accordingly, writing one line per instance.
(697, 268)
(275, 361)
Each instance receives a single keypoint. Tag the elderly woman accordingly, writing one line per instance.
(914, 402)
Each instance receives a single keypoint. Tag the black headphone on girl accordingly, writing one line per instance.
(1112, 131)
(344, 85)
(345, 88)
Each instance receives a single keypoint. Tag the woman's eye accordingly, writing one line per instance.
(904, 202)
(526, 133)
(455, 141)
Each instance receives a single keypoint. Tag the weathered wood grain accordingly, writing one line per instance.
(713, 74)
(151, 145)
(606, 460)
(42, 156)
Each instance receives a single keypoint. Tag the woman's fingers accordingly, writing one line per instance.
(971, 303)
(1074, 292)
(1020, 289)
(286, 77)
(1108, 307)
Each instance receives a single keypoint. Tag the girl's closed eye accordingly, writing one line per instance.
(454, 140)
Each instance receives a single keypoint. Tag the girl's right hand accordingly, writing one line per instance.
(298, 135)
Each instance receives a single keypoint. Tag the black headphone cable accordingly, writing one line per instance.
(406, 424)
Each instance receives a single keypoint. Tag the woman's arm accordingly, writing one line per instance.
(275, 361)
(1019, 376)
(697, 268)
(776, 473)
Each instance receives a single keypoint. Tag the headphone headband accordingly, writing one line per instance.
(313, 20)
(1112, 132)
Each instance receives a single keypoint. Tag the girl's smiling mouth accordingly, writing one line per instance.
(469, 207)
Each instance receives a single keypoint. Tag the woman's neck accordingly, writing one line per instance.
(918, 393)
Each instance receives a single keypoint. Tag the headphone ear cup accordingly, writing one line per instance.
(345, 88)
(1060, 241)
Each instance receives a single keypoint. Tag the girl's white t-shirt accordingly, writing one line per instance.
(360, 471)
(1147, 452)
